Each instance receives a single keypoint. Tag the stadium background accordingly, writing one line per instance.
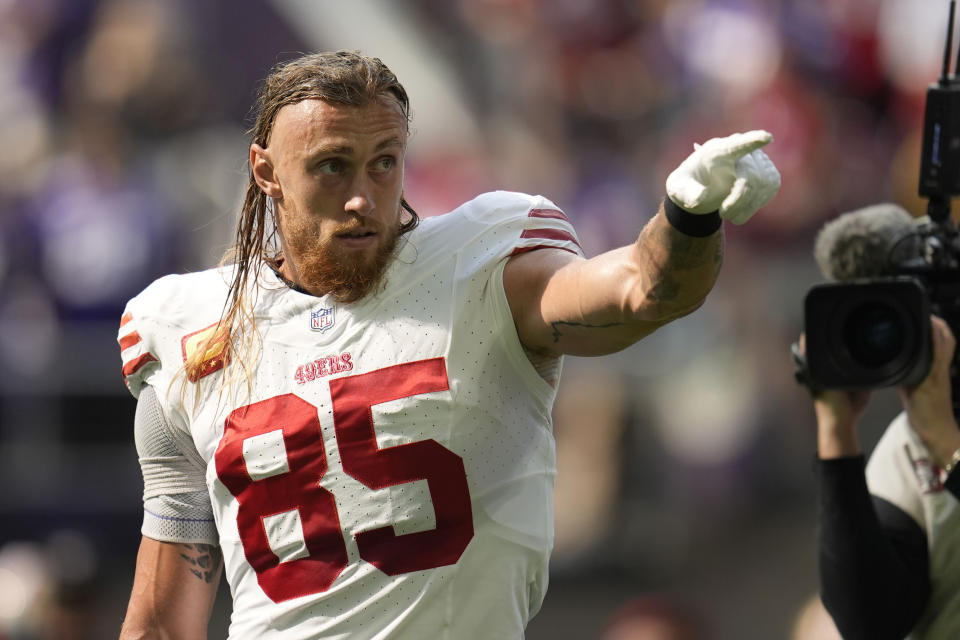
(685, 462)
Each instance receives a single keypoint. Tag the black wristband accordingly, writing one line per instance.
(698, 225)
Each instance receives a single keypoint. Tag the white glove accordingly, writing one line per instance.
(730, 175)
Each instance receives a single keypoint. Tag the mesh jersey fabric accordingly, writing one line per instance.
(176, 504)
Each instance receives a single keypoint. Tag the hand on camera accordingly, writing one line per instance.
(929, 405)
(730, 175)
(838, 412)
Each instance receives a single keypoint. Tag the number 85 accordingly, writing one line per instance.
(297, 487)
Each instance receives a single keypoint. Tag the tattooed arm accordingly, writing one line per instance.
(173, 591)
(564, 304)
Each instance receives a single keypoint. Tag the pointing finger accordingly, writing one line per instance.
(740, 144)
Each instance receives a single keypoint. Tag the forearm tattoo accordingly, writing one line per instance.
(678, 269)
(204, 560)
(670, 253)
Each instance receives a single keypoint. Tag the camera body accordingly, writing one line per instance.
(875, 332)
(871, 333)
(940, 159)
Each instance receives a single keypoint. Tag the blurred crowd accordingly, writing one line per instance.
(122, 158)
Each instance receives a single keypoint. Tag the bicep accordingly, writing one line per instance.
(562, 303)
(174, 588)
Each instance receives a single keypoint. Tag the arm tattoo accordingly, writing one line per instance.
(204, 560)
(688, 252)
(557, 333)
(682, 253)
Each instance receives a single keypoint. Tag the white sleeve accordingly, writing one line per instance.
(176, 503)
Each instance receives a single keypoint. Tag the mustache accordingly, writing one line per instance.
(325, 268)
(359, 224)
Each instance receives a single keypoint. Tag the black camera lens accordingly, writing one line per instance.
(874, 334)
(866, 335)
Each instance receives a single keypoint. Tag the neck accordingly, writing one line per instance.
(285, 271)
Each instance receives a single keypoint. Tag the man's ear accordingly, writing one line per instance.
(262, 166)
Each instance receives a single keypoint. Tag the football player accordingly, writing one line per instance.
(352, 417)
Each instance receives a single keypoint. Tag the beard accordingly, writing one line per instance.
(324, 268)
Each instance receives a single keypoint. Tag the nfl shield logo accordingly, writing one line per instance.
(321, 319)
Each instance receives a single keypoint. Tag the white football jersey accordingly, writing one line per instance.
(389, 471)
(901, 471)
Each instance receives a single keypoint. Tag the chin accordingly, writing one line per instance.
(347, 275)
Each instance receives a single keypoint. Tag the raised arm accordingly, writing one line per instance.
(173, 591)
(929, 405)
(564, 304)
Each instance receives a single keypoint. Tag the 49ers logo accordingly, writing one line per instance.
(322, 367)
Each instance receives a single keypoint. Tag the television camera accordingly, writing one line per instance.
(873, 330)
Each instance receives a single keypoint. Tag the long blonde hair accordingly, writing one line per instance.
(340, 77)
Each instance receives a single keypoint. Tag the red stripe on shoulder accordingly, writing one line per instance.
(520, 250)
(125, 318)
(550, 234)
(137, 363)
(548, 213)
(129, 340)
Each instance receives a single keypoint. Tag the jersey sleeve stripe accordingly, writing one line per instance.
(137, 363)
(520, 250)
(551, 234)
(548, 213)
(125, 318)
(128, 340)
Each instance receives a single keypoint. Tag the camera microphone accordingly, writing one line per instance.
(868, 327)
(859, 244)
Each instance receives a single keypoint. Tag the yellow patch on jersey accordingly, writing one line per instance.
(214, 357)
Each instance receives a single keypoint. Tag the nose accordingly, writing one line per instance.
(360, 198)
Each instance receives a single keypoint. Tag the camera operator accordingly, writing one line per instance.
(889, 536)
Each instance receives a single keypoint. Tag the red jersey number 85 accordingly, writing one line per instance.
(276, 492)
